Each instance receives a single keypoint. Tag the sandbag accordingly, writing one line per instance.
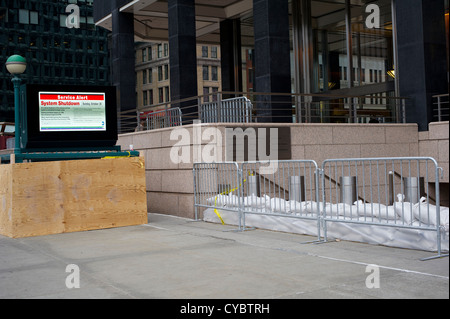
(223, 201)
(404, 210)
(375, 210)
(427, 214)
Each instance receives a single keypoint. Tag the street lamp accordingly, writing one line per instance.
(16, 65)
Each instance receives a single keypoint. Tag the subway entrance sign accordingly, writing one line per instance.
(68, 122)
(62, 112)
(69, 116)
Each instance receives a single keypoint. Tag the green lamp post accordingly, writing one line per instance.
(16, 65)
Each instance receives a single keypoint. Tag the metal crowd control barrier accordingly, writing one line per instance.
(215, 186)
(236, 110)
(380, 192)
(281, 188)
(363, 191)
(161, 119)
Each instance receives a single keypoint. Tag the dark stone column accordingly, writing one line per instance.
(123, 64)
(422, 56)
(231, 55)
(272, 59)
(183, 56)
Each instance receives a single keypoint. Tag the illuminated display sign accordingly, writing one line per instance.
(62, 116)
(72, 112)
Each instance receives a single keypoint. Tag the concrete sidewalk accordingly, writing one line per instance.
(174, 258)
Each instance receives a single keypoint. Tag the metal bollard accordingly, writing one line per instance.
(414, 189)
(348, 189)
(297, 189)
(391, 198)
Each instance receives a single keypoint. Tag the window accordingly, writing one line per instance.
(161, 95)
(160, 73)
(24, 16)
(166, 72)
(214, 52)
(166, 49)
(145, 98)
(144, 77)
(150, 76)
(205, 73)
(144, 55)
(167, 92)
(150, 53)
(160, 51)
(204, 51)
(206, 95)
(34, 17)
(4, 14)
(215, 91)
(214, 73)
(150, 93)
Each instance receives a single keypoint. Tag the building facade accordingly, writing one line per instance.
(55, 54)
(375, 49)
(153, 74)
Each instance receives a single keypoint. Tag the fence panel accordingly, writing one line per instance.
(236, 110)
(161, 119)
(283, 188)
(215, 186)
(367, 194)
(388, 192)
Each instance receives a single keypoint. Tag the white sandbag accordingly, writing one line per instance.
(223, 201)
(341, 209)
(254, 201)
(278, 205)
(427, 214)
(404, 210)
(299, 207)
(311, 207)
(375, 210)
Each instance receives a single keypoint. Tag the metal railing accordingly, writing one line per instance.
(441, 107)
(160, 119)
(281, 188)
(235, 110)
(344, 191)
(253, 107)
(215, 186)
(366, 189)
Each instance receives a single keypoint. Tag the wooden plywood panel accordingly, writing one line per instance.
(38, 204)
(5, 200)
(58, 197)
(114, 186)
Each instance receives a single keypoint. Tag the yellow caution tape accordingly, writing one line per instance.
(111, 157)
(129, 155)
(226, 193)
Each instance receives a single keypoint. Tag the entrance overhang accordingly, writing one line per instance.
(151, 18)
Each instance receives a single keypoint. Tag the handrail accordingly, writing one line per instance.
(294, 107)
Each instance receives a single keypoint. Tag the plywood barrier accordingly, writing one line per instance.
(71, 196)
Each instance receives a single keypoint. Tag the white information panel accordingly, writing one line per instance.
(72, 112)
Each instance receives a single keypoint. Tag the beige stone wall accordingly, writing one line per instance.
(170, 185)
(434, 143)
